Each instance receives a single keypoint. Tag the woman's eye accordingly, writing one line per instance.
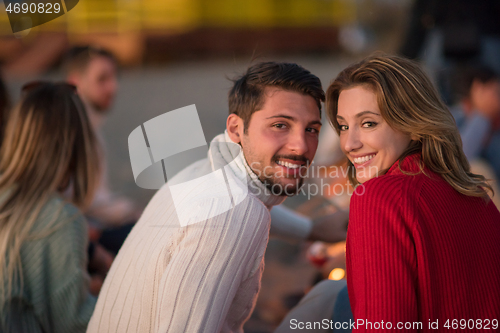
(343, 127)
(369, 124)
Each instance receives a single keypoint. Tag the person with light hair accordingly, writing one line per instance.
(94, 71)
(422, 242)
(48, 149)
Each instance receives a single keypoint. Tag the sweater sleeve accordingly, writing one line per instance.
(288, 224)
(380, 256)
(208, 266)
(56, 276)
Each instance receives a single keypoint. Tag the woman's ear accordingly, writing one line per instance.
(234, 126)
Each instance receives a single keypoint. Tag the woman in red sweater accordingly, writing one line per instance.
(423, 244)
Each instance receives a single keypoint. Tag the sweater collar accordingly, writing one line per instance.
(223, 151)
(412, 164)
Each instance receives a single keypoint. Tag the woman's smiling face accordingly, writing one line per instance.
(365, 137)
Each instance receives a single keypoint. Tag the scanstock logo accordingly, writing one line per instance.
(24, 15)
(162, 148)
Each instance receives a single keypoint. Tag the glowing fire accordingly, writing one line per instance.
(336, 274)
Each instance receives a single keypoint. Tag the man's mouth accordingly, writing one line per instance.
(291, 167)
(288, 164)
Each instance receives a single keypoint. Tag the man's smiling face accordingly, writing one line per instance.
(281, 139)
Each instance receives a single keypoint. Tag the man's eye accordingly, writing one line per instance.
(369, 124)
(343, 127)
(312, 130)
(280, 126)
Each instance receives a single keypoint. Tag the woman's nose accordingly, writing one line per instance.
(352, 140)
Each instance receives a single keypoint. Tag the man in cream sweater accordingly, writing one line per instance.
(194, 260)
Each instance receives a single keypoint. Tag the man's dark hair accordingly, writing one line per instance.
(247, 94)
(79, 57)
(466, 75)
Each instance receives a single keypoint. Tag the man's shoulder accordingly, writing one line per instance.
(250, 211)
(210, 201)
(253, 207)
(191, 171)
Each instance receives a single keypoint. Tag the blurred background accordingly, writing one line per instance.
(174, 53)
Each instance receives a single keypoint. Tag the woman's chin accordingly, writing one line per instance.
(361, 180)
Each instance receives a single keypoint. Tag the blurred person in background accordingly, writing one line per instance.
(423, 235)
(447, 33)
(48, 144)
(94, 72)
(31, 56)
(477, 113)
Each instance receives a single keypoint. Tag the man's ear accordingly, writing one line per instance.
(234, 126)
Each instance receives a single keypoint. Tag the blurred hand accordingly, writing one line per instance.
(330, 228)
(96, 282)
(94, 233)
(101, 260)
(485, 98)
(116, 212)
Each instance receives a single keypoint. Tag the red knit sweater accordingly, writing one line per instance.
(419, 251)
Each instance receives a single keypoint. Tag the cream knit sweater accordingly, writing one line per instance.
(203, 277)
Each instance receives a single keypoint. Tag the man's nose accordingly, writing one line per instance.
(298, 143)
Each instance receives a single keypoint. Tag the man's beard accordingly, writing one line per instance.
(272, 182)
(278, 189)
(99, 108)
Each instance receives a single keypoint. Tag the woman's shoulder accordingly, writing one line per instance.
(381, 190)
(409, 172)
(389, 183)
(59, 233)
(59, 214)
(385, 203)
(401, 185)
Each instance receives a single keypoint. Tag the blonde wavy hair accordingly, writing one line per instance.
(48, 148)
(409, 103)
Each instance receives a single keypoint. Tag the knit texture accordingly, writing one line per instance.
(418, 250)
(202, 277)
(55, 295)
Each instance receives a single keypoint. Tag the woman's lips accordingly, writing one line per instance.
(362, 161)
